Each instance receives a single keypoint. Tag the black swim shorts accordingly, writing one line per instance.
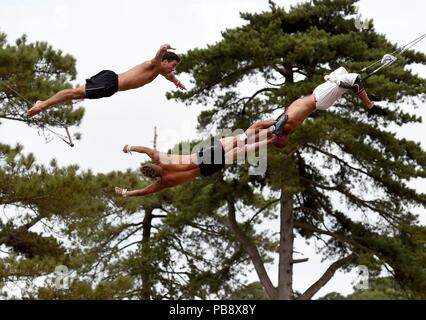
(211, 159)
(103, 84)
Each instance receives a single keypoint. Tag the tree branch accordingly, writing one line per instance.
(274, 84)
(254, 95)
(328, 274)
(340, 160)
(208, 87)
(294, 261)
(260, 211)
(361, 203)
(303, 225)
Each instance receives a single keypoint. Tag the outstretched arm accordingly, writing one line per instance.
(171, 77)
(162, 51)
(152, 188)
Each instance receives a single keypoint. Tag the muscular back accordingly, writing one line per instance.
(139, 75)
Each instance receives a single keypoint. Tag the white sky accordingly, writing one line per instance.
(117, 35)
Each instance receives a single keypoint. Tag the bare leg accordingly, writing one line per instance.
(163, 158)
(251, 134)
(251, 149)
(59, 97)
(229, 143)
(248, 149)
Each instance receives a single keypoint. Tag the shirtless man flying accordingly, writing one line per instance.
(107, 82)
(323, 97)
(172, 170)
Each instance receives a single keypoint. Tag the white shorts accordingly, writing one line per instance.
(327, 93)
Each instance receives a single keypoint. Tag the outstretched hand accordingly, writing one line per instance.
(180, 86)
(166, 47)
(278, 142)
(126, 148)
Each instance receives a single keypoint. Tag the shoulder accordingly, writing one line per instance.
(153, 63)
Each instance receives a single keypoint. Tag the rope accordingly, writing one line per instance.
(390, 58)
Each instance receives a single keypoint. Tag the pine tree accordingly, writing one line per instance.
(198, 240)
(379, 289)
(341, 155)
(114, 248)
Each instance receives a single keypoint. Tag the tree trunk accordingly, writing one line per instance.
(285, 268)
(146, 290)
(252, 251)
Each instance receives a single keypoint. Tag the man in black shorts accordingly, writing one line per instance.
(106, 82)
(172, 170)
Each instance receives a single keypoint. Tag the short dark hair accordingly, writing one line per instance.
(170, 56)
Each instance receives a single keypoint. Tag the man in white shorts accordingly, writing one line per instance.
(183, 168)
(322, 98)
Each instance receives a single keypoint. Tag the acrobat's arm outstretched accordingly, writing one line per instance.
(171, 77)
(152, 188)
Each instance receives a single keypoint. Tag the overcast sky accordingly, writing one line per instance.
(117, 35)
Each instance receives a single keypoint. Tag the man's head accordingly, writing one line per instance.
(280, 141)
(170, 61)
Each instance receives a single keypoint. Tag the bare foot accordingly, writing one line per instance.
(121, 191)
(36, 108)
